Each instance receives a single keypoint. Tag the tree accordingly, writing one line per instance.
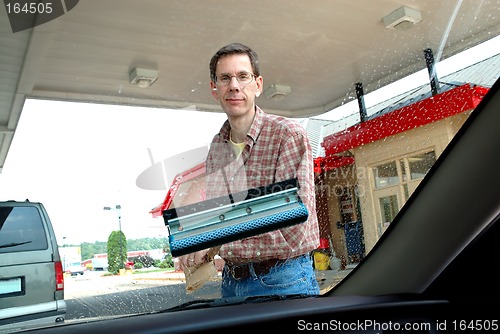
(117, 251)
(97, 247)
(146, 261)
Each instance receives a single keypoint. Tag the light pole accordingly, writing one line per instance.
(118, 210)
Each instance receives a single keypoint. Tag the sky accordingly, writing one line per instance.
(443, 67)
(77, 158)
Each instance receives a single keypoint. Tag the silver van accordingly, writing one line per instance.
(31, 274)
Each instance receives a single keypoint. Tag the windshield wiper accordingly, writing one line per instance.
(205, 303)
(14, 244)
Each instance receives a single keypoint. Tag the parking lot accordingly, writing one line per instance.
(93, 283)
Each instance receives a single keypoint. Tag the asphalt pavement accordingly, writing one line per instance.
(327, 279)
(96, 283)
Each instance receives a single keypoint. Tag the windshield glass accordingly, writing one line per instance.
(187, 152)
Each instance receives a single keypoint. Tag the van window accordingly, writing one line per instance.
(21, 230)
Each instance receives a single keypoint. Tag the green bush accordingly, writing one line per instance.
(166, 263)
(117, 251)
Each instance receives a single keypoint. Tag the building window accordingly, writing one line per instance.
(397, 179)
(420, 164)
(396, 172)
(402, 165)
(386, 175)
(389, 207)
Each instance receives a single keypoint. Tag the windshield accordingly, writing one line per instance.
(190, 152)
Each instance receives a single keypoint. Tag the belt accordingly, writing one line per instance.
(242, 271)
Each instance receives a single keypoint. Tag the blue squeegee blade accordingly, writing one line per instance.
(296, 215)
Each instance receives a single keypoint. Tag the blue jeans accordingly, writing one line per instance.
(294, 276)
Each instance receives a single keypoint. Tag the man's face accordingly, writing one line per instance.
(235, 98)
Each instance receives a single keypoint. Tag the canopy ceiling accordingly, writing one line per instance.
(319, 49)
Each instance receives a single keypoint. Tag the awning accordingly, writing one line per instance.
(178, 180)
(434, 108)
(322, 164)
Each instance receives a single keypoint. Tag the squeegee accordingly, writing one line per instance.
(224, 219)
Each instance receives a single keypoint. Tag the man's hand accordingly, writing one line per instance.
(194, 259)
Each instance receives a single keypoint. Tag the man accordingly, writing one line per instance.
(255, 149)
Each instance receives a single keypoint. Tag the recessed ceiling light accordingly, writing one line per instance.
(402, 18)
(277, 92)
(142, 77)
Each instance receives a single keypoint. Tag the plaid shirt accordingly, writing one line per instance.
(276, 149)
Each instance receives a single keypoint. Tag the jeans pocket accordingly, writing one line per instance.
(282, 281)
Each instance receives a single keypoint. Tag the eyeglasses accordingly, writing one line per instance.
(244, 78)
